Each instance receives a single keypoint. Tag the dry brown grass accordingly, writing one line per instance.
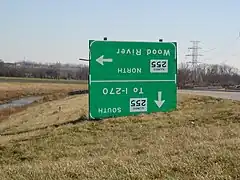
(19, 89)
(13, 90)
(201, 140)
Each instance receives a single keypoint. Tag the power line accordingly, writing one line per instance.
(224, 45)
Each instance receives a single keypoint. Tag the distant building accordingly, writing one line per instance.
(9, 65)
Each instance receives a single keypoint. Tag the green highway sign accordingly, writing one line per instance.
(130, 78)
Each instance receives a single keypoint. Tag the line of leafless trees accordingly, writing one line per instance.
(207, 75)
(202, 75)
(55, 71)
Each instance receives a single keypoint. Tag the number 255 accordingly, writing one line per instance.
(137, 103)
(159, 64)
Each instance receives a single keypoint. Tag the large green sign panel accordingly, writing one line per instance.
(130, 78)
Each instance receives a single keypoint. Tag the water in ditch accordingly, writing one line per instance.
(20, 102)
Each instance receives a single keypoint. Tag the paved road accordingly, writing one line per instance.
(217, 94)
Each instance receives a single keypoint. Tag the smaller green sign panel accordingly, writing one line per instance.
(129, 78)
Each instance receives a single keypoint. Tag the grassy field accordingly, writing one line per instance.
(201, 140)
(39, 80)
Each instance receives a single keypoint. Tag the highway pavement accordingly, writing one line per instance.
(217, 94)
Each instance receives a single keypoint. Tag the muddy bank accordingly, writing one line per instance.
(78, 92)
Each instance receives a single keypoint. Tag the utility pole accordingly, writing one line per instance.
(194, 54)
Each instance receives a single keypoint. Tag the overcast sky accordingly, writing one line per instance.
(59, 30)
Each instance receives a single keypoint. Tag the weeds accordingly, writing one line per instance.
(200, 140)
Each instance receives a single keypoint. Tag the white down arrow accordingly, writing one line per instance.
(159, 102)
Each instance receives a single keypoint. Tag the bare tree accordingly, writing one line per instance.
(221, 75)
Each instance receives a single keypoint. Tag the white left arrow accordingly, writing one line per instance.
(159, 102)
(101, 60)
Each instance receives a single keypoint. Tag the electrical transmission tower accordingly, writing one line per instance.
(194, 54)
